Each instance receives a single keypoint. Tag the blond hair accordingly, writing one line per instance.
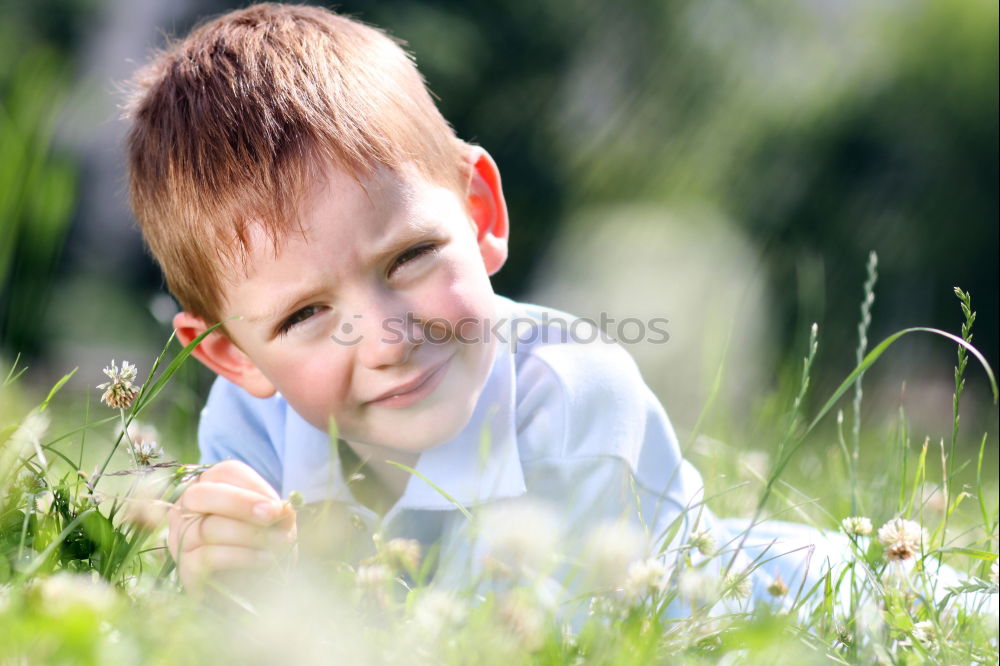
(229, 125)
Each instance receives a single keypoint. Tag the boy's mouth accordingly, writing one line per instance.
(415, 390)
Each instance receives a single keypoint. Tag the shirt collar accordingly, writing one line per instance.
(480, 464)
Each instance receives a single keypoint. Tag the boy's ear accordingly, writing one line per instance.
(488, 209)
(222, 356)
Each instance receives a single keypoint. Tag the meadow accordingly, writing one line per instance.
(85, 577)
(741, 157)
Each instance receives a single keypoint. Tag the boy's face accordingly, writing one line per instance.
(376, 314)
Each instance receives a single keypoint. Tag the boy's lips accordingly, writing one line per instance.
(415, 390)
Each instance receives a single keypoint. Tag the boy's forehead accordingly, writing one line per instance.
(387, 205)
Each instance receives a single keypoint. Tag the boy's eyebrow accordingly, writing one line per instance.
(286, 306)
(410, 233)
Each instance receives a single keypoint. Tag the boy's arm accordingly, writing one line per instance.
(601, 431)
(235, 426)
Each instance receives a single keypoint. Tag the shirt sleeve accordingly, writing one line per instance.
(598, 443)
(237, 426)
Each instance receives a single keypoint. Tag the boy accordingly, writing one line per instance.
(295, 181)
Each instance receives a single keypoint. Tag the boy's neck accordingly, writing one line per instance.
(370, 478)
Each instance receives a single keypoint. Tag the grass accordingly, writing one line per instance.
(85, 578)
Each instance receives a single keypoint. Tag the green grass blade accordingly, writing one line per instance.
(880, 349)
(55, 389)
(148, 395)
(433, 485)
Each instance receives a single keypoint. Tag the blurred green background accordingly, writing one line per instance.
(725, 165)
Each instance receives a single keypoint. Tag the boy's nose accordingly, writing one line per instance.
(388, 340)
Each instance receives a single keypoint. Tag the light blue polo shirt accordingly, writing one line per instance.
(565, 420)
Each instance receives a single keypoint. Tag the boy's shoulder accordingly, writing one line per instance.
(584, 386)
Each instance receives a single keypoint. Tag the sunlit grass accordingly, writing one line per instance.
(85, 577)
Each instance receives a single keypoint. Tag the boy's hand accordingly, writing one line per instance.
(230, 518)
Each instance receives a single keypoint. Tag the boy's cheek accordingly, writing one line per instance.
(312, 388)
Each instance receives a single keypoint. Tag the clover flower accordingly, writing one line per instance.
(120, 392)
(373, 575)
(521, 535)
(29, 435)
(901, 538)
(646, 576)
(44, 500)
(778, 587)
(856, 526)
(402, 554)
(924, 633)
(144, 443)
(610, 549)
(65, 592)
(703, 541)
(993, 573)
(145, 505)
(697, 586)
(737, 585)
(436, 610)
(524, 619)
(146, 451)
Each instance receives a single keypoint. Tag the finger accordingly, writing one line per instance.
(202, 561)
(240, 474)
(184, 533)
(178, 530)
(219, 530)
(233, 502)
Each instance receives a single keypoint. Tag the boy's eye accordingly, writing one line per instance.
(411, 254)
(298, 317)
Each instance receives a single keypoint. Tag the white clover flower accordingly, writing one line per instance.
(146, 452)
(901, 538)
(145, 505)
(137, 431)
(778, 586)
(373, 575)
(524, 619)
(401, 554)
(703, 541)
(737, 585)
(924, 633)
(644, 577)
(437, 610)
(993, 573)
(44, 500)
(120, 391)
(64, 592)
(4, 598)
(856, 526)
(610, 549)
(29, 435)
(698, 586)
(522, 535)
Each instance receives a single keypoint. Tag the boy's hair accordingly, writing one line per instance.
(231, 125)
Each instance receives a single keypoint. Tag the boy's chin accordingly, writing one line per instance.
(418, 437)
(423, 432)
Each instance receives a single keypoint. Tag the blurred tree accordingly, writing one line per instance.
(37, 184)
(36, 197)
